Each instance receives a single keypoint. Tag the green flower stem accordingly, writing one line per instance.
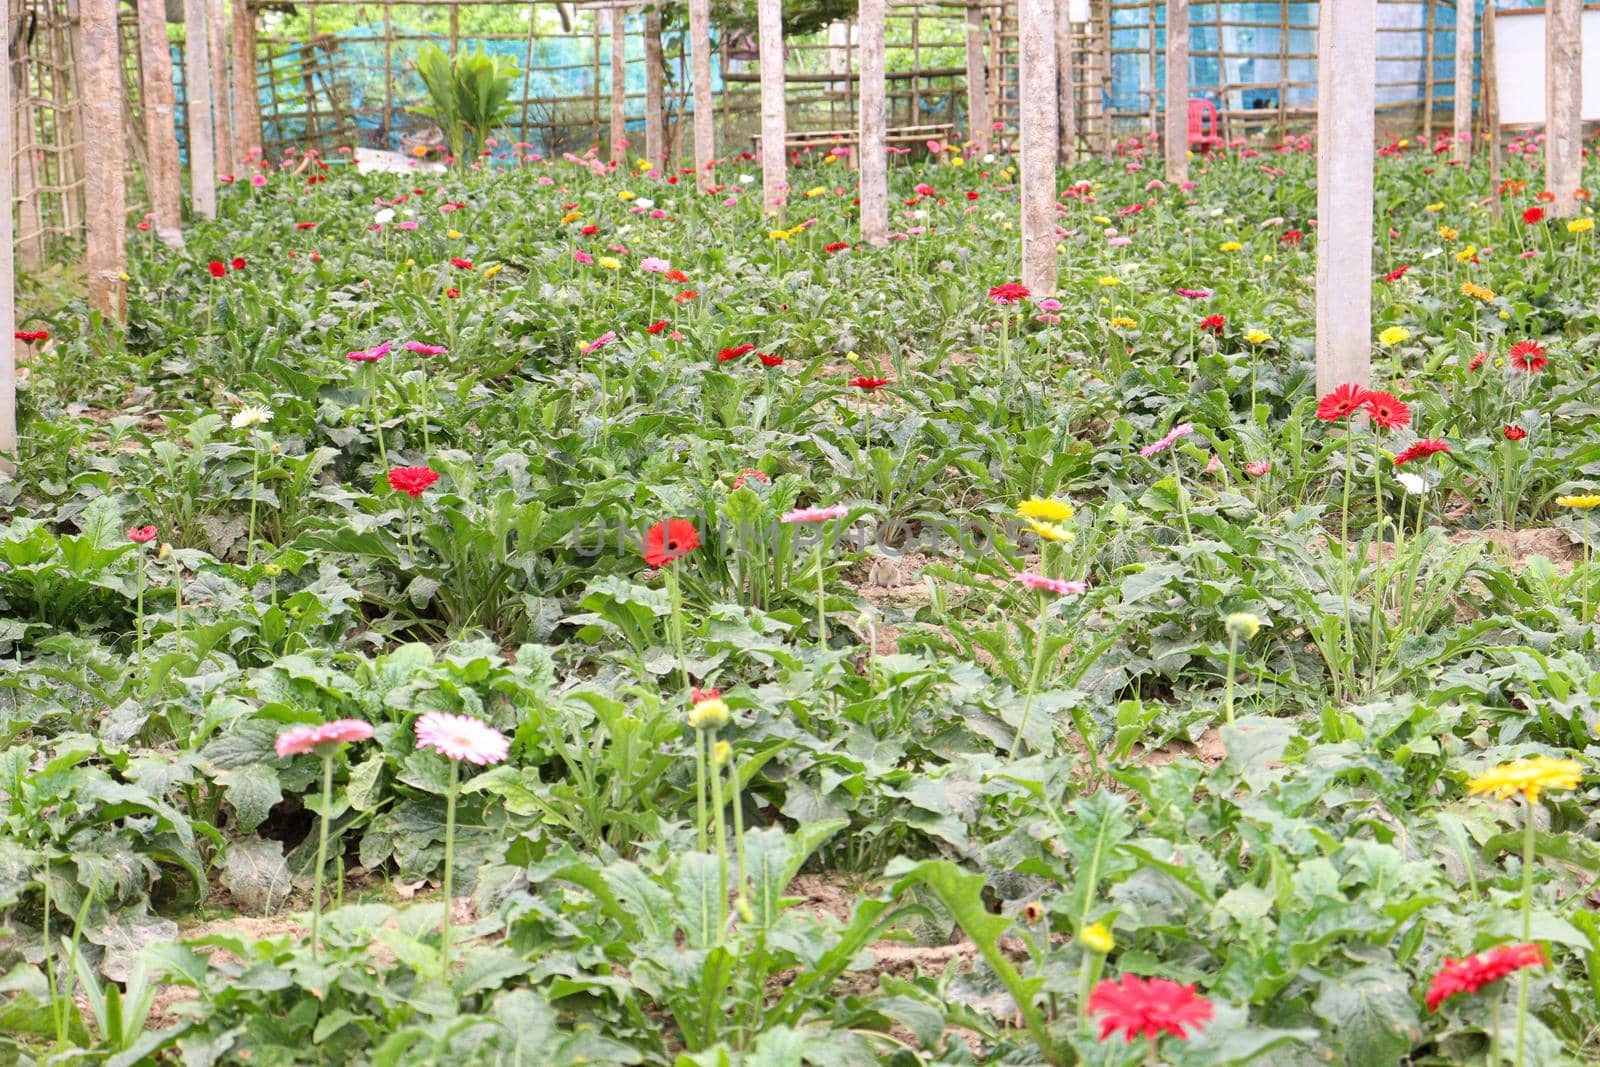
(1527, 930)
(1227, 685)
(738, 827)
(822, 609)
(449, 870)
(138, 633)
(255, 477)
(377, 422)
(1038, 669)
(322, 847)
(719, 827)
(700, 787)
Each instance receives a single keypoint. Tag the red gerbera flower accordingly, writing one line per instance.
(1396, 274)
(217, 268)
(675, 275)
(1292, 237)
(1533, 216)
(1422, 450)
(305, 225)
(238, 263)
(452, 292)
(734, 353)
(685, 296)
(656, 327)
(1478, 360)
(590, 230)
(141, 535)
(836, 246)
(769, 361)
(412, 481)
(1528, 356)
(1473, 973)
(1213, 323)
(972, 194)
(1147, 1007)
(751, 473)
(460, 264)
(1343, 401)
(1513, 432)
(869, 383)
(1387, 411)
(1008, 294)
(670, 540)
(30, 336)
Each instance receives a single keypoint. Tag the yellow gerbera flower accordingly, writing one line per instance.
(816, 191)
(571, 216)
(1478, 292)
(1466, 254)
(624, 194)
(1258, 337)
(1435, 207)
(1050, 510)
(1528, 777)
(609, 263)
(1582, 503)
(1122, 322)
(1095, 936)
(1580, 225)
(1050, 531)
(1231, 246)
(1394, 335)
(1108, 280)
(1102, 220)
(1448, 234)
(495, 269)
(709, 715)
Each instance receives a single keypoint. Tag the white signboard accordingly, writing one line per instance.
(1519, 65)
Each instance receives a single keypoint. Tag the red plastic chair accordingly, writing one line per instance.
(1203, 125)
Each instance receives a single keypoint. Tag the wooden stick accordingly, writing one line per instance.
(874, 162)
(1040, 142)
(100, 80)
(774, 116)
(160, 131)
(1106, 134)
(8, 278)
(1563, 96)
(222, 130)
(978, 120)
(1346, 72)
(705, 137)
(1461, 106)
(1177, 100)
(1491, 109)
(619, 86)
(655, 141)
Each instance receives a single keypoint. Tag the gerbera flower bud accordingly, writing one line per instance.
(710, 714)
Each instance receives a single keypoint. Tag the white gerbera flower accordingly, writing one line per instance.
(1411, 483)
(251, 416)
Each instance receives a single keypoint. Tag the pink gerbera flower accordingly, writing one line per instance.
(421, 349)
(599, 342)
(300, 739)
(816, 514)
(1183, 429)
(1256, 468)
(1039, 583)
(461, 737)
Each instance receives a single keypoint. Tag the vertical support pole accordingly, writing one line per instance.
(1107, 135)
(1177, 91)
(8, 288)
(1563, 97)
(222, 131)
(979, 124)
(1491, 108)
(1066, 85)
(619, 85)
(1347, 53)
(774, 115)
(1040, 142)
(705, 138)
(246, 92)
(655, 127)
(874, 132)
(1461, 108)
(100, 74)
(160, 129)
(1430, 24)
(197, 88)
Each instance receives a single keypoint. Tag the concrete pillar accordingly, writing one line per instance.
(655, 111)
(197, 90)
(774, 114)
(1463, 91)
(1039, 141)
(100, 83)
(164, 178)
(705, 143)
(874, 135)
(1177, 124)
(1563, 98)
(1347, 61)
(979, 124)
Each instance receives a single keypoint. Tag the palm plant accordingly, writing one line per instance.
(470, 94)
